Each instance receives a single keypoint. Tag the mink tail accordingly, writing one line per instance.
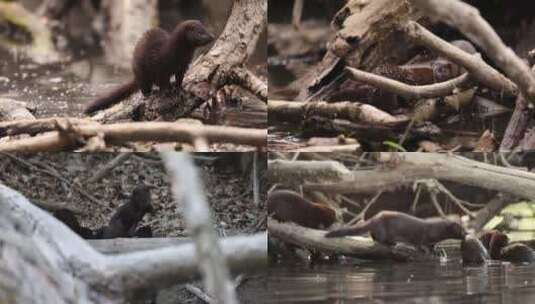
(360, 228)
(112, 97)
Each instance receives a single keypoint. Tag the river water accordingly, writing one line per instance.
(358, 281)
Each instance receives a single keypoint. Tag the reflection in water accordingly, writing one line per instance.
(388, 282)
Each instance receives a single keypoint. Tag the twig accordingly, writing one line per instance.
(200, 294)
(117, 160)
(360, 216)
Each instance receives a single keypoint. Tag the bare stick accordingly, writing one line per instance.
(54, 174)
(117, 160)
(186, 188)
(136, 131)
(477, 68)
(405, 90)
(360, 216)
(297, 12)
(467, 19)
(200, 294)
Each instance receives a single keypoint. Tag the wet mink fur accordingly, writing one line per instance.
(157, 56)
(124, 221)
(289, 206)
(390, 227)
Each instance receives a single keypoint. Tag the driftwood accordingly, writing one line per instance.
(72, 135)
(405, 90)
(296, 111)
(417, 166)
(360, 247)
(63, 268)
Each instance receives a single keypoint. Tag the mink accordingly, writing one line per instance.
(124, 221)
(157, 56)
(499, 248)
(289, 206)
(68, 218)
(473, 252)
(390, 227)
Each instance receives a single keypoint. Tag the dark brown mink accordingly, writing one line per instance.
(157, 56)
(289, 206)
(68, 218)
(124, 221)
(499, 248)
(390, 227)
(473, 252)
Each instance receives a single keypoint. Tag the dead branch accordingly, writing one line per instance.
(186, 187)
(405, 90)
(477, 68)
(360, 247)
(415, 166)
(135, 131)
(467, 19)
(237, 42)
(295, 111)
(164, 267)
(294, 173)
(326, 149)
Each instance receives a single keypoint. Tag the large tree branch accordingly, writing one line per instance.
(73, 133)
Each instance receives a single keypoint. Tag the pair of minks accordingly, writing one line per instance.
(390, 227)
(386, 227)
(123, 223)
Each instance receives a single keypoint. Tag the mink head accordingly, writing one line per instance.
(456, 231)
(497, 242)
(141, 197)
(196, 33)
